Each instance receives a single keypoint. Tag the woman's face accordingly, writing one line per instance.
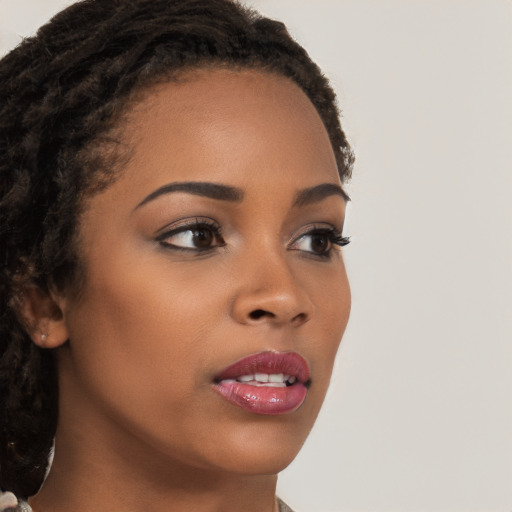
(218, 243)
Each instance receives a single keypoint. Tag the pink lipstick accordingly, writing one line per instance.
(266, 383)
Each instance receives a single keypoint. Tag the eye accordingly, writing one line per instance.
(319, 241)
(198, 236)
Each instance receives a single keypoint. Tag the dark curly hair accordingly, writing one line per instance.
(62, 94)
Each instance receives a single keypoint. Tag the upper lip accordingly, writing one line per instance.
(289, 363)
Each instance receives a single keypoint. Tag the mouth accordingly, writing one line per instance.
(268, 383)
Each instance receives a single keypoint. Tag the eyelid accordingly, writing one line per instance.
(165, 234)
(316, 226)
(187, 222)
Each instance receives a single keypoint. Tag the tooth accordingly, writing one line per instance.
(276, 377)
(229, 381)
(257, 384)
(261, 377)
(246, 378)
(292, 379)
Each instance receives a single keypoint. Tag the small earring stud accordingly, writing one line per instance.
(43, 337)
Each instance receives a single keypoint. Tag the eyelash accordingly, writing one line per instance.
(205, 225)
(334, 238)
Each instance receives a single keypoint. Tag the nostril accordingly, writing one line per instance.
(258, 313)
(300, 318)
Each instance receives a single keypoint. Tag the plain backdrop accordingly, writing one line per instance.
(419, 414)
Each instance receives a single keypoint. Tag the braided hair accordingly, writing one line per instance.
(62, 94)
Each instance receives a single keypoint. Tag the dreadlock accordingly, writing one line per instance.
(61, 94)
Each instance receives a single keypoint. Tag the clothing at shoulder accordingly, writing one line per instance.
(283, 507)
(9, 503)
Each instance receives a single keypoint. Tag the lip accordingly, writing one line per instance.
(265, 400)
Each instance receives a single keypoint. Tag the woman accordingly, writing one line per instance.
(174, 291)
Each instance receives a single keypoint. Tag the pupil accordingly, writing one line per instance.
(203, 237)
(319, 243)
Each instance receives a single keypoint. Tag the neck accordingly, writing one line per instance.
(92, 476)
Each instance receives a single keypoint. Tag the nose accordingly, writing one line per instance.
(270, 293)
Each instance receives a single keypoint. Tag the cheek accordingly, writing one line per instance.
(332, 299)
(136, 332)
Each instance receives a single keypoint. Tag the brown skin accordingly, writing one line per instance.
(140, 425)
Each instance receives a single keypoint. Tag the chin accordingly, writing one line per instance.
(262, 449)
(264, 462)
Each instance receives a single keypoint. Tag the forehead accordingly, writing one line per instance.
(225, 95)
(219, 109)
(215, 121)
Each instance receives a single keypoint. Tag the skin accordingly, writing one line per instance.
(140, 424)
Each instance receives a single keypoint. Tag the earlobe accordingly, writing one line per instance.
(43, 318)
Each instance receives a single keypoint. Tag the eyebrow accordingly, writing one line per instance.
(318, 193)
(227, 193)
(198, 188)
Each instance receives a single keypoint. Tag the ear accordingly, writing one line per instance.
(43, 317)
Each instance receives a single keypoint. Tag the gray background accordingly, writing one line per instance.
(419, 415)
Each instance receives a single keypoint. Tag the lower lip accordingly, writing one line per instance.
(262, 399)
